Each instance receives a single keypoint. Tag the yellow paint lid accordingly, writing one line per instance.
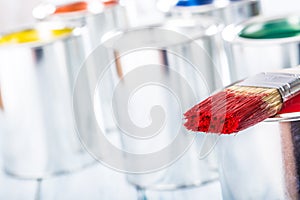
(34, 35)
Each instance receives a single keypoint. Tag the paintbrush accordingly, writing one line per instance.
(245, 103)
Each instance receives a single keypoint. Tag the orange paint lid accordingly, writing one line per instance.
(80, 6)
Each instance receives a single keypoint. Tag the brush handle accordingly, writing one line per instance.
(287, 82)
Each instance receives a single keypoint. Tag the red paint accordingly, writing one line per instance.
(226, 112)
(292, 105)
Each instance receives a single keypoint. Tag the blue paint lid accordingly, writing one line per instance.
(193, 2)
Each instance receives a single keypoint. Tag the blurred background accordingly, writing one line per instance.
(16, 12)
(100, 182)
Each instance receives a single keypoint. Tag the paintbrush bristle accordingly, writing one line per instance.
(233, 109)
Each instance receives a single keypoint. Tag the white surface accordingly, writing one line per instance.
(210, 191)
(94, 183)
(15, 189)
(278, 7)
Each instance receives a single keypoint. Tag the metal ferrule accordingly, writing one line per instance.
(287, 83)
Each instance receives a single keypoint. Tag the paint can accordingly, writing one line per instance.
(159, 71)
(98, 17)
(263, 161)
(39, 65)
(263, 44)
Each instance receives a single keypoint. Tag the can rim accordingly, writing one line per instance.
(75, 32)
(285, 117)
(45, 11)
(215, 5)
(213, 27)
(232, 32)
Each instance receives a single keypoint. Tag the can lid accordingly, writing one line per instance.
(193, 2)
(272, 29)
(195, 6)
(185, 5)
(73, 9)
(201, 2)
(36, 35)
(33, 35)
(265, 30)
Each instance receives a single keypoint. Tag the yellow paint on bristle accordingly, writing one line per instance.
(33, 35)
(269, 95)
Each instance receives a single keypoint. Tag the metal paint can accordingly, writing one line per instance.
(263, 44)
(157, 66)
(263, 161)
(99, 17)
(39, 65)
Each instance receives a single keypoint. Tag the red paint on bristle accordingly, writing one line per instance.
(292, 105)
(226, 112)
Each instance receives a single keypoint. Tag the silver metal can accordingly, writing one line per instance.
(263, 44)
(262, 162)
(158, 72)
(39, 65)
(99, 17)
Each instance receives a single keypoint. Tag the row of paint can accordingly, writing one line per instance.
(54, 101)
(39, 66)
(263, 160)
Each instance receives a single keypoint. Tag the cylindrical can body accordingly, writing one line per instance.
(158, 72)
(229, 12)
(262, 162)
(99, 17)
(263, 44)
(37, 75)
